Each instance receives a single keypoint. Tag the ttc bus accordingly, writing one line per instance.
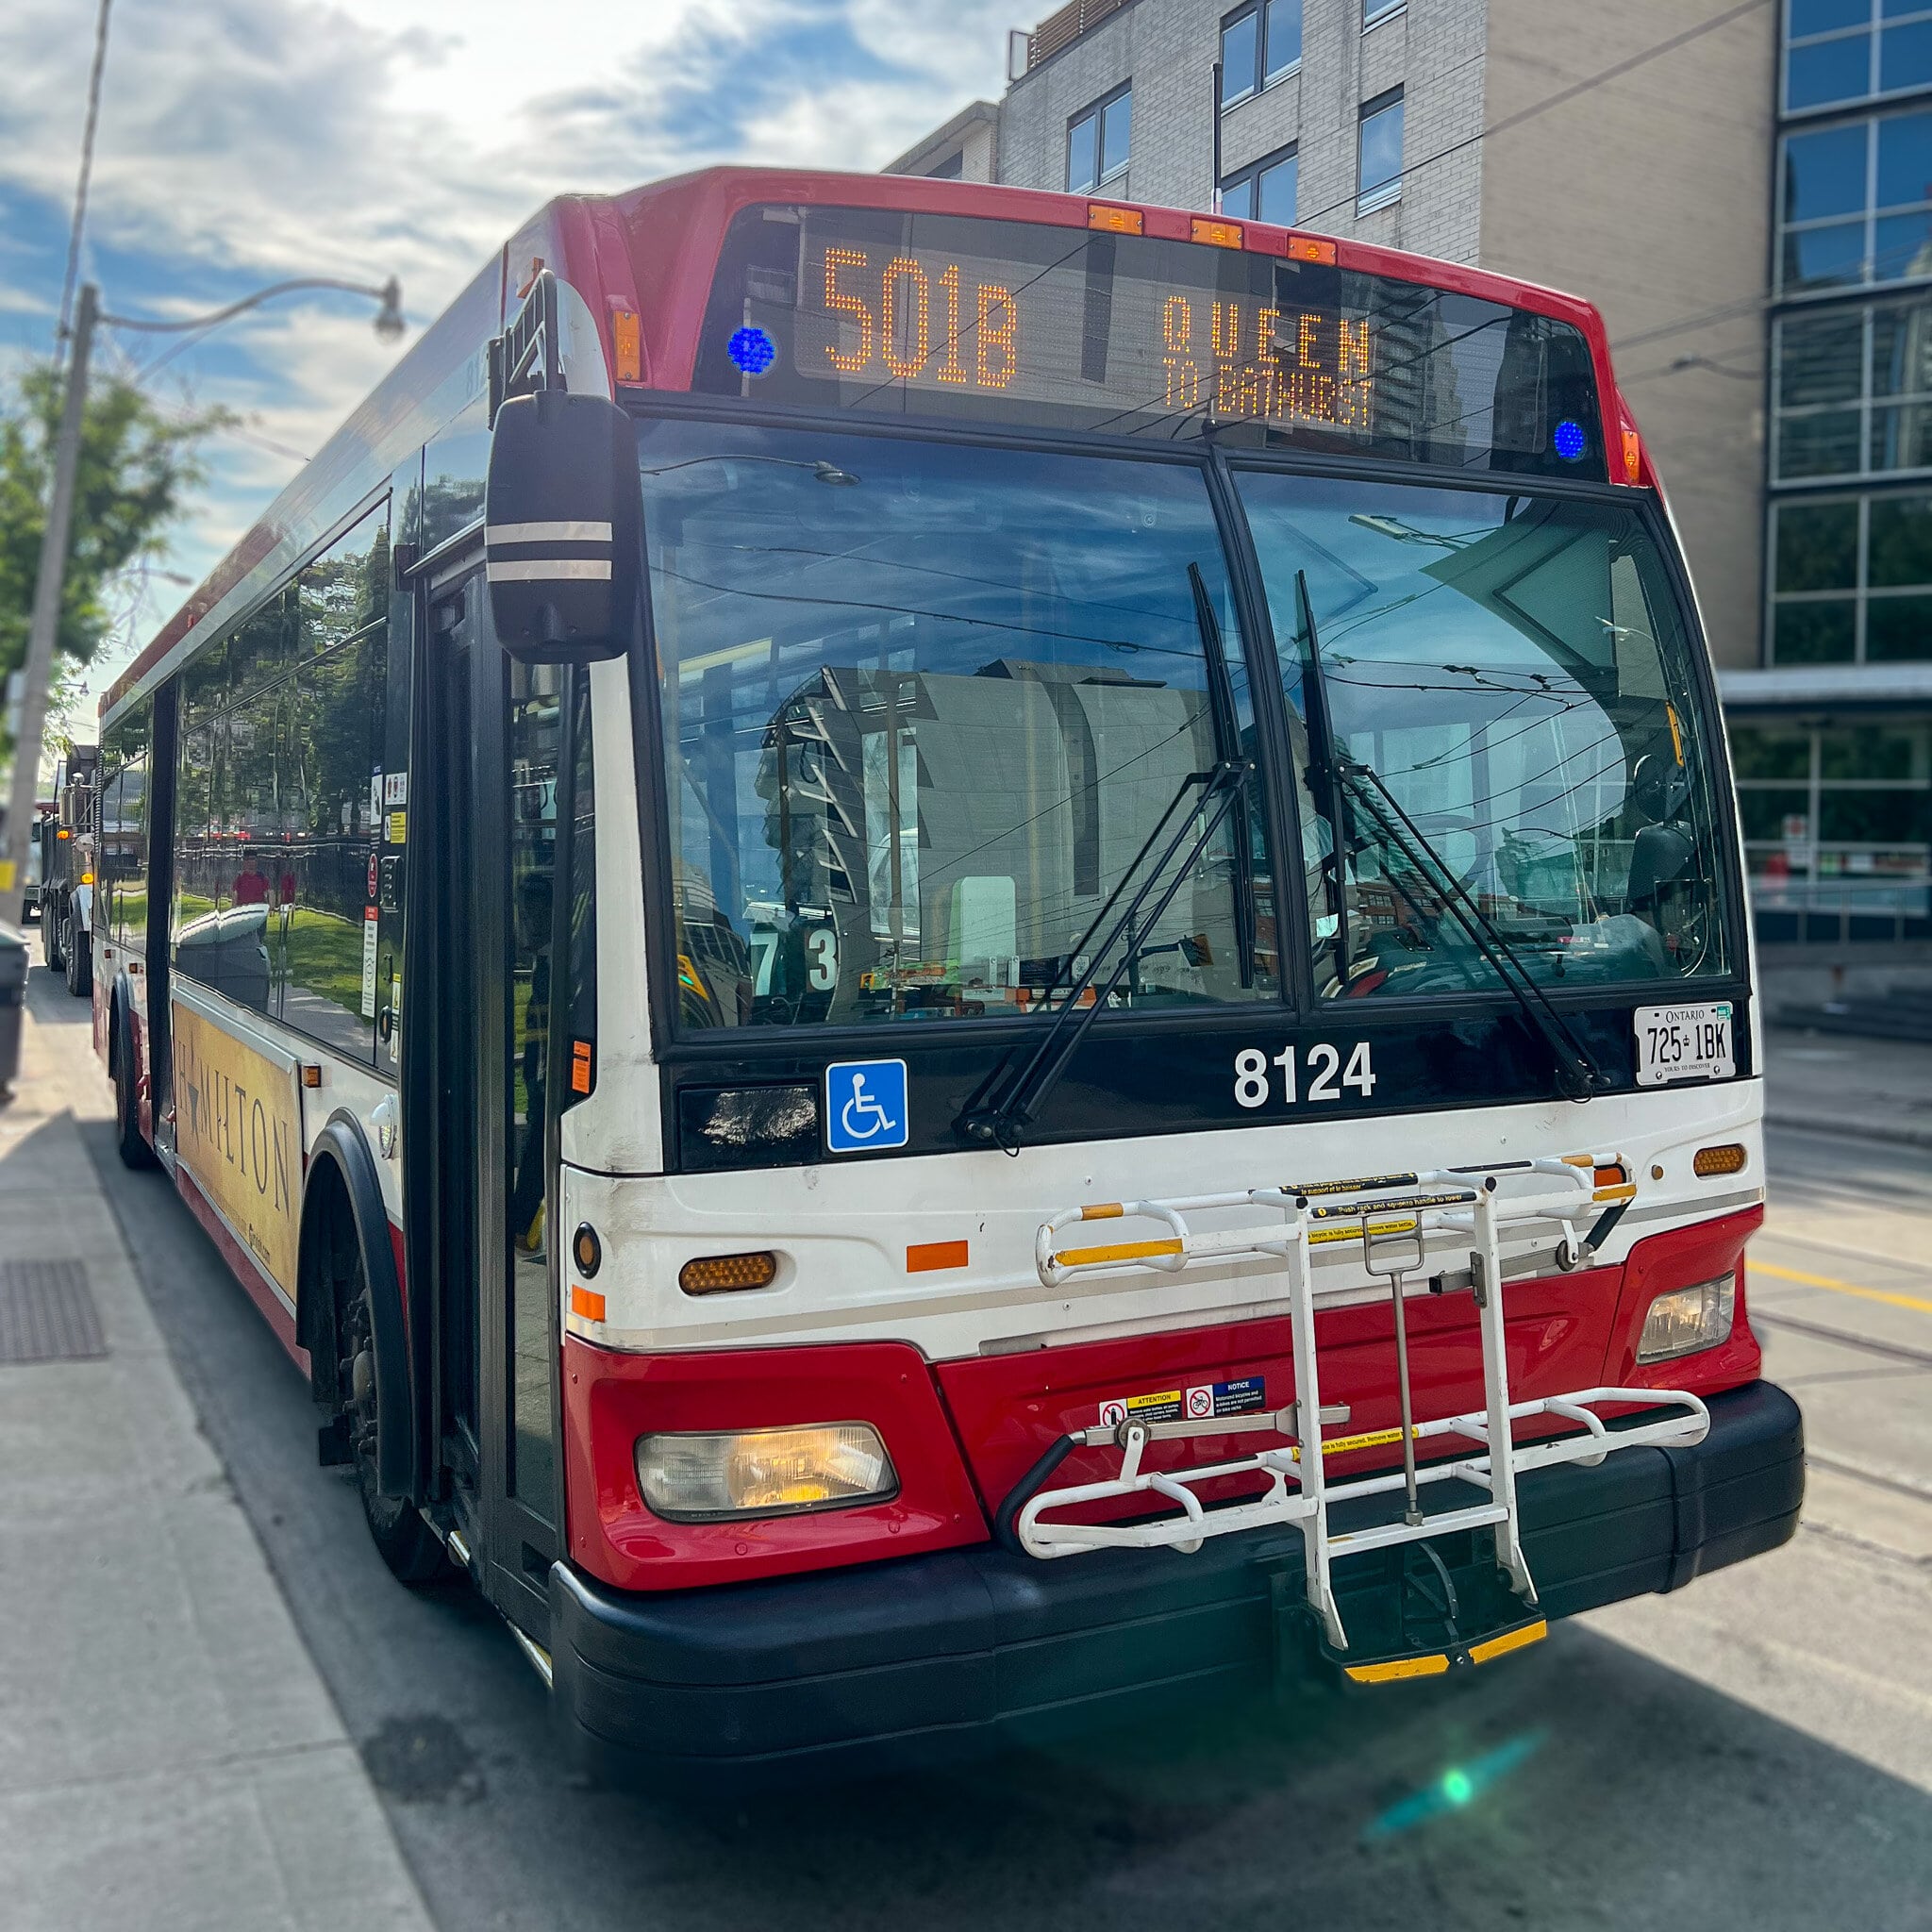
(961, 962)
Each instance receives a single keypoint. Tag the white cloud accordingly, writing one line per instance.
(244, 141)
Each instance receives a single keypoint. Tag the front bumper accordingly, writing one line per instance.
(933, 1659)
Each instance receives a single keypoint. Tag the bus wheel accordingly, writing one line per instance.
(79, 958)
(134, 1150)
(408, 1545)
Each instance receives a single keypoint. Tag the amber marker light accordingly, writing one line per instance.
(586, 1250)
(1310, 248)
(1713, 1161)
(727, 1273)
(586, 1302)
(1115, 221)
(1633, 457)
(928, 1258)
(627, 344)
(1218, 234)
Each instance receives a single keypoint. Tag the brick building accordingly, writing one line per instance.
(1692, 171)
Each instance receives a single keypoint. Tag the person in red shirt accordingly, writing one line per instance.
(251, 886)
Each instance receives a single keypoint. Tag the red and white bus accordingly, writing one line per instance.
(821, 735)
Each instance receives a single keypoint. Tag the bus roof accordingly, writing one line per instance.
(653, 251)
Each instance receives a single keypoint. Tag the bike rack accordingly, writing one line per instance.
(1394, 1218)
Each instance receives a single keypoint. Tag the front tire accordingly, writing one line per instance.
(404, 1541)
(132, 1147)
(80, 961)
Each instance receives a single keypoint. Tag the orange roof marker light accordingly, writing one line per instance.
(1115, 221)
(1310, 248)
(628, 345)
(1220, 234)
(1633, 457)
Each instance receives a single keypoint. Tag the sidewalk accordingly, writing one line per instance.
(1837, 1084)
(169, 1756)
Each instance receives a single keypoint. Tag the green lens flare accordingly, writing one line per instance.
(1457, 1786)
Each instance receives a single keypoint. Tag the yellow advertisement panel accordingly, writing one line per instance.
(237, 1130)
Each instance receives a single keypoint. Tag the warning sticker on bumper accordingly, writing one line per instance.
(1205, 1402)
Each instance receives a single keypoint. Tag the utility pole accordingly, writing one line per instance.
(46, 617)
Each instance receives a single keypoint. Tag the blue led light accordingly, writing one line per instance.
(1571, 441)
(753, 351)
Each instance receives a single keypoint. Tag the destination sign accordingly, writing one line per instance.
(947, 316)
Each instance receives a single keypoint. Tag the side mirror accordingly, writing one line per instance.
(563, 513)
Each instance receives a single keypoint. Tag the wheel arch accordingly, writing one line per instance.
(341, 1182)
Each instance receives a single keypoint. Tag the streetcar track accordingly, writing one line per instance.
(1835, 1247)
(1845, 1338)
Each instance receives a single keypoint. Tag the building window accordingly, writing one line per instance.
(1379, 177)
(1098, 139)
(1857, 204)
(1376, 11)
(1263, 191)
(1259, 44)
(952, 169)
(1853, 391)
(1852, 580)
(1849, 50)
(1836, 818)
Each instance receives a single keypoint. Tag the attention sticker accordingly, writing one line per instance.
(1205, 1402)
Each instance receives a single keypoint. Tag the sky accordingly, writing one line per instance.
(242, 141)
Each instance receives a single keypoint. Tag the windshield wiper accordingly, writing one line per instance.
(1000, 1120)
(1577, 1074)
(1227, 735)
(1000, 1110)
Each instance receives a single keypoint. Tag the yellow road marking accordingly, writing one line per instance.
(1869, 1294)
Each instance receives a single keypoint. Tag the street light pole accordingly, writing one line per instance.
(46, 623)
(52, 576)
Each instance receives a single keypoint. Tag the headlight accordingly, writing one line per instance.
(764, 1472)
(1688, 1319)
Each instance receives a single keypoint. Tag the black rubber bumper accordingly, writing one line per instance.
(929, 1660)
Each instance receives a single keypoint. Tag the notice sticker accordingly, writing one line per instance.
(395, 789)
(369, 962)
(398, 827)
(1209, 1401)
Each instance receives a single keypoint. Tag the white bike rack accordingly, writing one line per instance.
(1394, 1218)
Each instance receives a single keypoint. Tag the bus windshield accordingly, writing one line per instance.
(924, 706)
(1508, 680)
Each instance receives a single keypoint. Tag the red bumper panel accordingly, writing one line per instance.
(610, 1400)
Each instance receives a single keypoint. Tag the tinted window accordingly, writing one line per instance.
(278, 811)
(924, 706)
(1510, 680)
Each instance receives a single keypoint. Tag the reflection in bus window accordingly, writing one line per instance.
(925, 708)
(1515, 673)
(535, 713)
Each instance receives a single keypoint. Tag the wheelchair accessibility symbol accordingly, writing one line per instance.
(865, 1106)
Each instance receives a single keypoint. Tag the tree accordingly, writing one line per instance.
(138, 463)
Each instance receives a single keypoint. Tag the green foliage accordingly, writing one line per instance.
(138, 462)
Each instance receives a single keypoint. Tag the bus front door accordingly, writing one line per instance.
(492, 830)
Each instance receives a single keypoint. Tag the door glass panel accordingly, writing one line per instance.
(535, 720)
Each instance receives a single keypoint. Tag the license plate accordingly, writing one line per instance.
(1683, 1043)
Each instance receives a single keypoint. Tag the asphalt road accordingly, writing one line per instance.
(1755, 1752)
